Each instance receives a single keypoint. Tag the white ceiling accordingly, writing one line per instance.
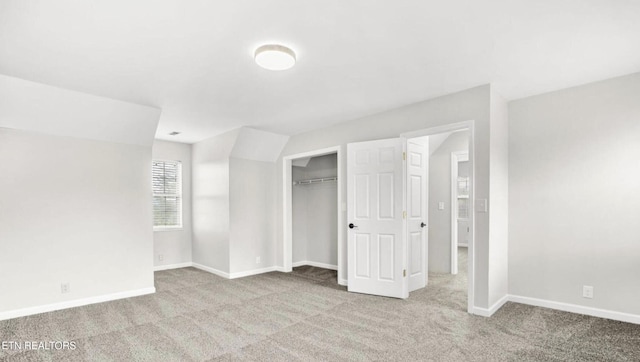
(194, 59)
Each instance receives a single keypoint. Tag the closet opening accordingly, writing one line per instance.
(313, 213)
(315, 216)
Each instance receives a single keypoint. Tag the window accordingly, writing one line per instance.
(167, 194)
(463, 197)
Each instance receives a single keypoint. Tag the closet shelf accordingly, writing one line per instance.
(315, 181)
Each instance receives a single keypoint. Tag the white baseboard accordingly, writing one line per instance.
(236, 274)
(566, 307)
(252, 272)
(488, 312)
(217, 272)
(316, 264)
(172, 266)
(74, 303)
(574, 308)
(280, 269)
(343, 282)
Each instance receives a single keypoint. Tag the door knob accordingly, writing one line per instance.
(351, 226)
(422, 224)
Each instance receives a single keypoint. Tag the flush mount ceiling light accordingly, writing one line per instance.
(275, 57)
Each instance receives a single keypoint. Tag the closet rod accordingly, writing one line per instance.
(315, 181)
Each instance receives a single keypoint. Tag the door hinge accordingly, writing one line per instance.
(404, 156)
(404, 272)
(404, 214)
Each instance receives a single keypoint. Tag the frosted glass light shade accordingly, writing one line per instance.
(275, 57)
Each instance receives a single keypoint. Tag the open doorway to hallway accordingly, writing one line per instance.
(449, 212)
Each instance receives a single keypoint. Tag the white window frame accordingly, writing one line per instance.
(178, 195)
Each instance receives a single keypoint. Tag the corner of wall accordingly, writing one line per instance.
(499, 193)
(256, 145)
(250, 176)
(174, 247)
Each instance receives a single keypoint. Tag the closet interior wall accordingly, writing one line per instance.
(315, 213)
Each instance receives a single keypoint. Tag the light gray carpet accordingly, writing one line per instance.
(306, 316)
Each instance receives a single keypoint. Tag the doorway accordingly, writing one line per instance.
(315, 212)
(303, 180)
(441, 206)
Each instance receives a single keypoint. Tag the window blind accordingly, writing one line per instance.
(167, 193)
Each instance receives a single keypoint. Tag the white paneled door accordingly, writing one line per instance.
(417, 196)
(377, 251)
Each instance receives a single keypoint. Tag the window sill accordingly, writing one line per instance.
(168, 228)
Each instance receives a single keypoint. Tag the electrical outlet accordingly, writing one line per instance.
(481, 205)
(257, 260)
(160, 257)
(441, 205)
(65, 288)
(587, 291)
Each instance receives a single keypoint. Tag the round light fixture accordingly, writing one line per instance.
(275, 57)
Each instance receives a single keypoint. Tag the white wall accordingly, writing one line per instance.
(257, 145)
(315, 213)
(252, 214)
(175, 245)
(210, 200)
(234, 201)
(440, 191)
(472, 104)
(499, 190)
(322, 224)
(72, 211)
(574, 196)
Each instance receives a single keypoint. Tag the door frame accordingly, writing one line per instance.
(470, 126)
(287, 206)
(456, 157)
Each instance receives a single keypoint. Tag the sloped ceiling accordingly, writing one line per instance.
(37, 107)
(256, 145)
